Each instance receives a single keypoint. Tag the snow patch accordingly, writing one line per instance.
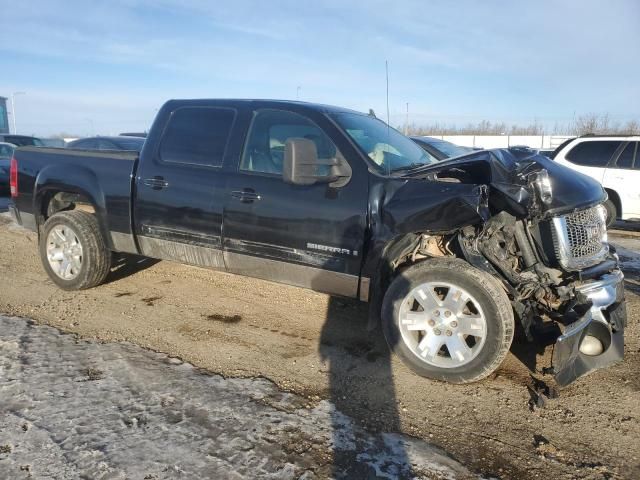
(81, 409)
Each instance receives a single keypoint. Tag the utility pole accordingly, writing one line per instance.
(90, 122)
(298, 92)
(13, 109)
(406, 123)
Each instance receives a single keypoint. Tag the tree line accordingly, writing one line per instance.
(582, 125)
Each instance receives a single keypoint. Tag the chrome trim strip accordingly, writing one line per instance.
(280, 252)
(182, 252)
(316, 279)
(123, 242)
(182, 236)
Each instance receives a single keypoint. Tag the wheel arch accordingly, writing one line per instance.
(56, 191)
(395, 255)
(615, 198)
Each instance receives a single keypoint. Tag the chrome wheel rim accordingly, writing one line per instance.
(64, 252)
(442, 324)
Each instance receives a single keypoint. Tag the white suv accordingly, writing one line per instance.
(612, 160)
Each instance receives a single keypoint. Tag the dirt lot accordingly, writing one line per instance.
(75, 408)
(318, 346)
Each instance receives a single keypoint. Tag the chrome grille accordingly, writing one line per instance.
(586, 230)
(581, 238)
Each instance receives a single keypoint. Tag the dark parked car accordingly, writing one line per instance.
(6, 153)
(449, 254)
(441, 149)
(21, 140)
(134, 134)
(108, 143)
(53, 142)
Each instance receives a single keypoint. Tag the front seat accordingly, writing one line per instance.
(259, 161)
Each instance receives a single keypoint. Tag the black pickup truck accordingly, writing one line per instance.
(454, 256)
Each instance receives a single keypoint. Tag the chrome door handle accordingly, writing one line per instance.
(157, 183)
(246, 195)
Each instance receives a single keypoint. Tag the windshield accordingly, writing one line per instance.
(389, 150)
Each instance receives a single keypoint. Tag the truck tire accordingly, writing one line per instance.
(448, 321)
(612, 212)
(73, 250)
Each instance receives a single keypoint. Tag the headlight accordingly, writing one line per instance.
(602, 215)
(542, 185)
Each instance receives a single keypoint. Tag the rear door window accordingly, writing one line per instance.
(625, 159)
(197, 136)
(593, 153)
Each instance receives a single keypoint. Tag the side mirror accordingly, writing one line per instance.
(300, 162)
(301, 165)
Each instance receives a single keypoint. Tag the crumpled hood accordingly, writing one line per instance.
(508, 172)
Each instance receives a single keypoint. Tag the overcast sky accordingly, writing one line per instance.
(106, 66)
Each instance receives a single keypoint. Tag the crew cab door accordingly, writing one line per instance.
(180, 187)
(306, 235)
(623, 177)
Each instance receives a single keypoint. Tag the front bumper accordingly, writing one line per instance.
(605, 319)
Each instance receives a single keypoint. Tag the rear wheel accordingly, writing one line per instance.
(448, 321)
(73, 250)
(612, 212)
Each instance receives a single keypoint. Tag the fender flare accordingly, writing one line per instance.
(53, 179)
(383, 274)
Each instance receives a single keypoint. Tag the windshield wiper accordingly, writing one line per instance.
(406, 168)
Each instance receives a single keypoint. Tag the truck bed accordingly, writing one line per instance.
(104, 177)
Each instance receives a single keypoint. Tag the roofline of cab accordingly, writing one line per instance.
(261, 103)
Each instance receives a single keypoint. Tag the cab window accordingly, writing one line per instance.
(269, 132)
(197, 136)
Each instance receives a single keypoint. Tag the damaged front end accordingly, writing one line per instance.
(544, 234)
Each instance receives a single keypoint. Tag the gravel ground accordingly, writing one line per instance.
(79, 409)
(317, 347)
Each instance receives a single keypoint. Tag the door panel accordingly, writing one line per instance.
(180, 189)
(310, 235)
